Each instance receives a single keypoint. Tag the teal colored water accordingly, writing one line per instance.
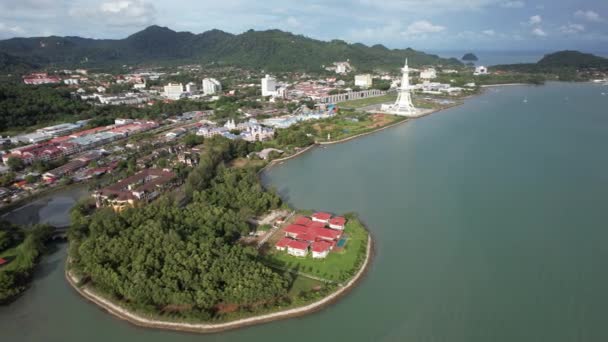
(489, 222)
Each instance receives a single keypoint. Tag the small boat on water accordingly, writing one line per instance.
(525, 100)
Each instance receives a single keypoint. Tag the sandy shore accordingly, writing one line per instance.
(123, 313)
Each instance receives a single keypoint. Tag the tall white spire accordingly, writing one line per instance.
(403, 105)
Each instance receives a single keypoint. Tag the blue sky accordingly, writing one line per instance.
(421, 24)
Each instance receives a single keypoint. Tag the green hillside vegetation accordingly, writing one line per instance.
(272, 50)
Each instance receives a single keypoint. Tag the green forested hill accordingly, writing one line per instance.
(560, 62)
(273, 50)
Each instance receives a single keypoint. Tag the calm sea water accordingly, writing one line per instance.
(489, 221)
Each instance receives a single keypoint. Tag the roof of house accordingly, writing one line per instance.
(316, 224)
(322, 216)
(302, 220)
(298, 245)
(295, 229)
(338, 221)
(321, 246)
(283, 242)
(325, 232)
(3, 261)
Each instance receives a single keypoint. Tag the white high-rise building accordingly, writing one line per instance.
(364, 81)
(191, 88)
(174, 91)
(269, 86)
(403, 106)
(211, 86)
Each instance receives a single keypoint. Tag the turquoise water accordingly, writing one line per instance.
(489, 221)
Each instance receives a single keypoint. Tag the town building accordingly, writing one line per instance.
(364, 81)
(211, 86)
(173, 91)
(269, 86)
(428, 74)
(40, 78)
(144, 186)
(191, 88)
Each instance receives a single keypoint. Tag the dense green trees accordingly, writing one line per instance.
(26, 245)
(166, 258)
(24, 106)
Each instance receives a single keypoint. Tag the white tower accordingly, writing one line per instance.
(403, 105)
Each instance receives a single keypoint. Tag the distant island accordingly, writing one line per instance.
(566, 65)
(470, 57)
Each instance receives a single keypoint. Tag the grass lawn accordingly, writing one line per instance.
(303, 284)
(341, 126)
(338, 266)
(368, 101)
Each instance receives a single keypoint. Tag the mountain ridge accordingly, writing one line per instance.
(272, 50)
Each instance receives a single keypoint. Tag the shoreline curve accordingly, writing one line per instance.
(126, 315)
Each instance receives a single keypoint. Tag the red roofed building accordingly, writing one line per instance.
(293, 230)
(325, 233)
(320, 249)
(337, 223)
(282, 244)
(316, 224)
(321, 217)
(302, 221)
(297, 248)
(3, 261)
(311, 234)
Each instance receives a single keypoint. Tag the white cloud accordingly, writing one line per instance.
(488, 32)
(572, 28)
(119, 12)
(539, 32)
(293, 22)
(422, 27)
(433, 6)
(535, 20)
(588, 15)
(513, 4)
(10, 30)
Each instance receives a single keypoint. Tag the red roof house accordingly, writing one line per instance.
(321, 217)
(282, 244)
(293, 230)
(320, 249)
(302, 221)
(337, 222)
(317, 224)
(297, 248)
(3, 261)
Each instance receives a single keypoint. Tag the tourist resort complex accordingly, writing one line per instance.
(319, 234)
